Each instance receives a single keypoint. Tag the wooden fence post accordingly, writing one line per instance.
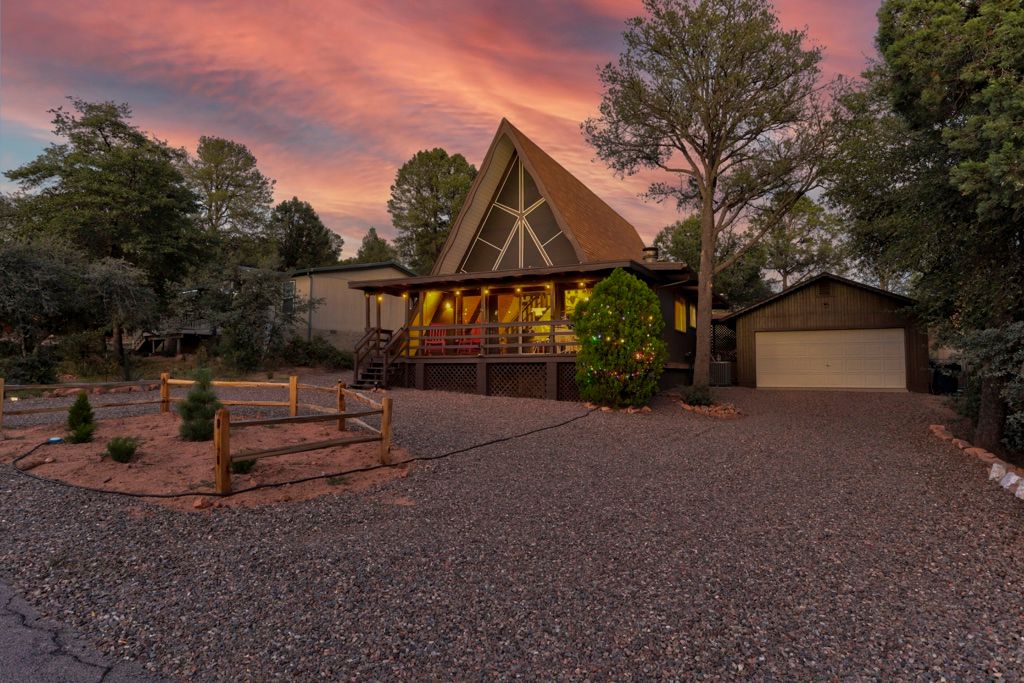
(293, 395)
(341, 404)
(2, 397)
(385, 431)
(222, 447)
(165, 392)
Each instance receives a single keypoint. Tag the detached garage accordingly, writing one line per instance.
(830, 333)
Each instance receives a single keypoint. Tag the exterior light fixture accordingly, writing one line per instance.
(380, 297)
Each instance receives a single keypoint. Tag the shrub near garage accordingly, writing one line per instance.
(622, 354)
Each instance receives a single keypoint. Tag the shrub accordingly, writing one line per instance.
(621, 354)
(242, 466)
(997, 354)
(319, 351)
(696, 396)
(78, 346)
(37, 368)
(81, 423)
(122, 448)
(198, 409)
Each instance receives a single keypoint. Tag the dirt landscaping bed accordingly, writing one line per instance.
(166, 464)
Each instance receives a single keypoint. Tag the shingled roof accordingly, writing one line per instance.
(596, 232)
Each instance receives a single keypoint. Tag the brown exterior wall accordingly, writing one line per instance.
(845, 308)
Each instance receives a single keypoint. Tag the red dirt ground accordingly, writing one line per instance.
(164, 463)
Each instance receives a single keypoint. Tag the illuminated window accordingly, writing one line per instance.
(693, 315)
(571, 299)
(679, 317)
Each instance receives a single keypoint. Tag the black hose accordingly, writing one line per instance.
(358, 470)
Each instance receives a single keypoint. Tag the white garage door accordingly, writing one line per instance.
(851, 359)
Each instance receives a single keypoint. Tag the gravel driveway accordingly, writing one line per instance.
(821, 536)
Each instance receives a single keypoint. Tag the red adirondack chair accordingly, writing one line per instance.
(434, 338)
(471, 344)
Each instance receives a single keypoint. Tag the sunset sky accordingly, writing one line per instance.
(332, 97)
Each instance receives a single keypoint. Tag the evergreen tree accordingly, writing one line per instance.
(301, 238)
(110, 190)
(426, 198)
(622, 354)
(374, 249)
(198, 409)
(718, 94)
(81, 423)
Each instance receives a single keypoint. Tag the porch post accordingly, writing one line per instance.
(366, 297)
(379, 296)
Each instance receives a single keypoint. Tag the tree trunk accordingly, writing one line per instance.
(122, 357)
(991, 415)
(702, 358)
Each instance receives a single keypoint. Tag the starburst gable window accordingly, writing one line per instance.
(519, 230)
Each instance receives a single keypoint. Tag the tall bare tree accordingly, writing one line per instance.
(717, 94)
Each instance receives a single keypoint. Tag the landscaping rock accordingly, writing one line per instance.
(981, 454)
(998, 471)
(201, 503)
(1009, 479)
(961, 444)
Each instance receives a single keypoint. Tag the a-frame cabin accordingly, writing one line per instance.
(493, 317)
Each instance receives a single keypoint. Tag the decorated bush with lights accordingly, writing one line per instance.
(621, 354)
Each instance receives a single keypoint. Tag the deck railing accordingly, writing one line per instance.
(546, 337)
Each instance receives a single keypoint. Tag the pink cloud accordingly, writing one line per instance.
(333, 96)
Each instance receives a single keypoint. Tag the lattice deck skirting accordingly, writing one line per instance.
(567, 389)
(450, 377)
(525, 380)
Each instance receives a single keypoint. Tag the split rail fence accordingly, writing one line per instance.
(223, 424)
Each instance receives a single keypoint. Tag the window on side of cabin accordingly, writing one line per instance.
(679, 316)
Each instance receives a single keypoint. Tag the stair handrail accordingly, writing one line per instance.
(394, 348)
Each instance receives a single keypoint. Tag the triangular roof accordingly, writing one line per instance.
(596, 232)
(810, 281)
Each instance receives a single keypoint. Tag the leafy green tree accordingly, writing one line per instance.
(803, 242)
(251, 314)
(716, 93)
(81, 422)
(198, 409)
(110, 190)
(742, 283)
(885, 180)
(122, 293)
(301, 238)
(947, 95)
(374, 249)
(42, 292)
(427, 195)
(622, 354)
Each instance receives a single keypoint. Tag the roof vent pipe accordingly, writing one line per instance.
(650, 254)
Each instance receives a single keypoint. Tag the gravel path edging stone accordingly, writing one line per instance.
(1009, 476)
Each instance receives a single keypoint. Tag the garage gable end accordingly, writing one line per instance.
(829, 303)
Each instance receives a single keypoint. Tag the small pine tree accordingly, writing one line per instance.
(622, 354)
(198, 409)
(81, 423)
